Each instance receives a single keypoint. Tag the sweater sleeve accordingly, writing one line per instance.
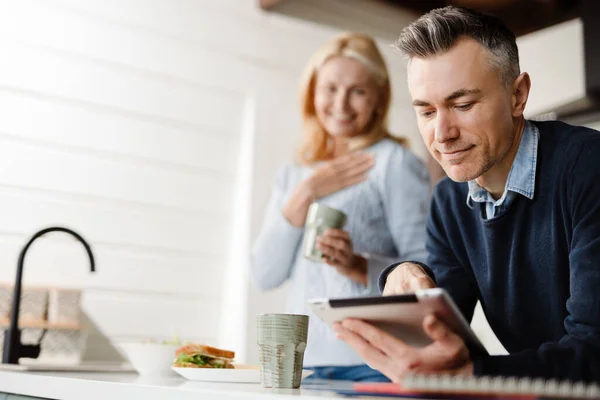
(442, 266)
(275, 248)
(406, 195)
(576, 355)
(449, 273)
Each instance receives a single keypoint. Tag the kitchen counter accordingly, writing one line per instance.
(102, 386)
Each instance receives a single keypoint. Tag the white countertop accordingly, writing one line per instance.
(102, 386)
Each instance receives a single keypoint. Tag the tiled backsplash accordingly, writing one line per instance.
(49, 315)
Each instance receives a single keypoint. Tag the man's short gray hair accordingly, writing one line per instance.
(437, 31)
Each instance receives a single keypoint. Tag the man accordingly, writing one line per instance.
(517, 225)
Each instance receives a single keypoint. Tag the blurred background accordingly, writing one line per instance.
(154, 129)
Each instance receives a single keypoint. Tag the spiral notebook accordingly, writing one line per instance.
(454, 387)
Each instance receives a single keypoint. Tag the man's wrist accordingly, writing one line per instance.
(384, 274)
(424, 267)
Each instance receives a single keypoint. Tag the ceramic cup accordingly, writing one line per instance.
(319, 218)
(281, 344)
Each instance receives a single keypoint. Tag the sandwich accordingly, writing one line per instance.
(201, 356)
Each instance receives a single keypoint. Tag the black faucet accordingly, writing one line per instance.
(13, 348)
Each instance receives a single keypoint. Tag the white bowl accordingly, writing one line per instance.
(150, 358)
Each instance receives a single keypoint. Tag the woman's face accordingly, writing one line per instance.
(346, 97)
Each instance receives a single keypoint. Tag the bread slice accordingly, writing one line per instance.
(192, 365)
(203, 350)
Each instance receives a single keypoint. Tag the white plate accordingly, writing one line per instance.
(239, 374)
(82, 367)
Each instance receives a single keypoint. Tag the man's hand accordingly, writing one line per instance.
(407, 278)
(394, 358)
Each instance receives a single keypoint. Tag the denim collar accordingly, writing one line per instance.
(521, 178)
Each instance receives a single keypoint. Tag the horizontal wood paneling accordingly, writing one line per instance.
(125, 315)
(50, 73)
(79, 127)
(124, 46)
(32, 166)
(246, 35)
(116, 225)
(57, 261)
(131, 137)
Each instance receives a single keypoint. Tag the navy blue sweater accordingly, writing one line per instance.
(536, 266)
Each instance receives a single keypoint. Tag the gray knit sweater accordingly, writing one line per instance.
(386, 222)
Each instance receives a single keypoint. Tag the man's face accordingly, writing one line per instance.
(464, 110)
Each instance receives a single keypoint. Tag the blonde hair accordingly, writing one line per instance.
(316, 145)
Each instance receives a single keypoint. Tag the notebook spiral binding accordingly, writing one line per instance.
(502, 385)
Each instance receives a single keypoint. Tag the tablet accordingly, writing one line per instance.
(401, 315)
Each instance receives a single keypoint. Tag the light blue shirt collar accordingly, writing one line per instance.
(521, 178)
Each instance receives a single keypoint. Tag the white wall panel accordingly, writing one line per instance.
(57, 74)
(121, 268)
(119, 225)
(32, 166)
(122, 315)
(76, 126)
(211, 27)
(131, 138)
(42, 24)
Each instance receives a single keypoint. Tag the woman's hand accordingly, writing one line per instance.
(328, 178)
(340, 173)
(336, 246)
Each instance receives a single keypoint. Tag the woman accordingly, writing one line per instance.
(350, 162)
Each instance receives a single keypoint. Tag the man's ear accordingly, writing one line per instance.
(520, 94)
